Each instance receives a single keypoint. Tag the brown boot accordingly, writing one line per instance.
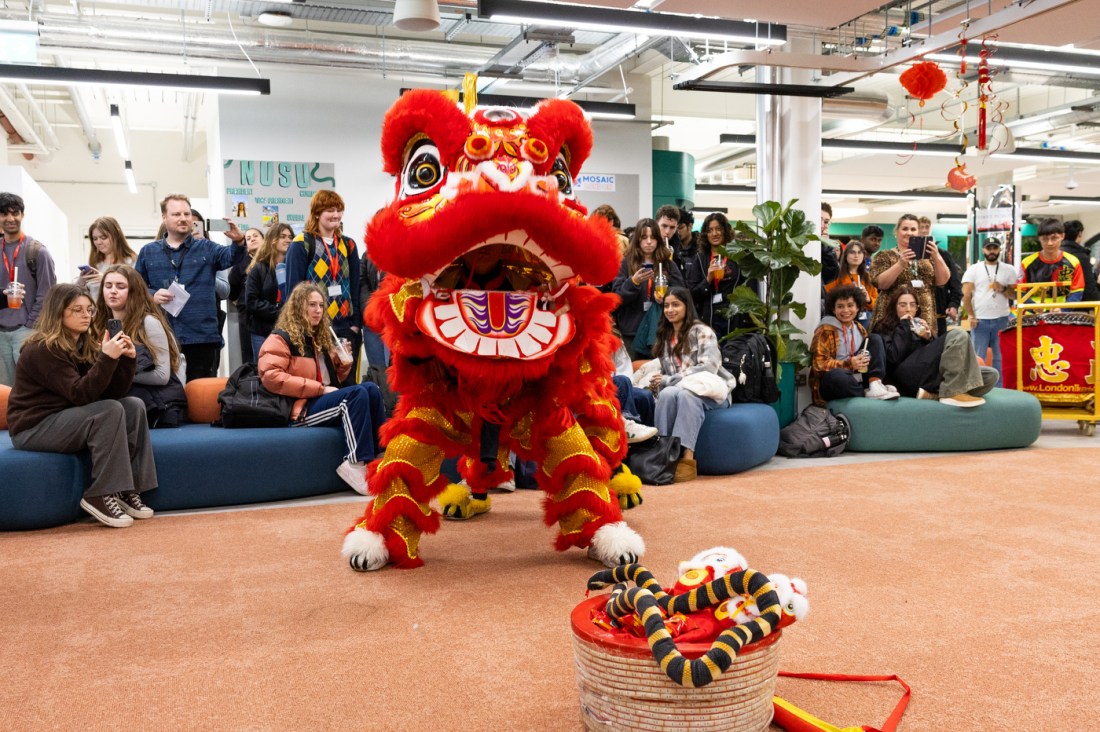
(685, 471)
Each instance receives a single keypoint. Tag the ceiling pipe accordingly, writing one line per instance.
(95, 147)
(47, 129)
(21, 126)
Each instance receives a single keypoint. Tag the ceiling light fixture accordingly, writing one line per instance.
(120, 133)
(1014, 59)
(931, 148)
(1073, 201)
(56, 75)
(418, 16)
(951, 219)
(596, 110)
(751, 87)
(128, 172)
(614, 20)
(885, 195)
(275, 18)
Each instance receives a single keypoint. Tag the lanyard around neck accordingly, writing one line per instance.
(15, 256)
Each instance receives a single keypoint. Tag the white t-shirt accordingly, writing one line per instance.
(987, 303)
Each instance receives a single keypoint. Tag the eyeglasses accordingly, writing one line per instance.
(80, 311)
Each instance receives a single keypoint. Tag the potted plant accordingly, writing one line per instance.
(770, 251)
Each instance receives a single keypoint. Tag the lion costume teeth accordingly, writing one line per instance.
(493, 325)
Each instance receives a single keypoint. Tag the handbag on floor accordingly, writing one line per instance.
(654, 461)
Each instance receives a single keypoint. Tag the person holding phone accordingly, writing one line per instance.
(124, 304)
(646, 257)
(893, 268)
(108, 246)
(847, 362)
(303, 360)
(70, 396)
(184, 262)
(925, 365)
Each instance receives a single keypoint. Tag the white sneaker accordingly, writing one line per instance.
(355, 475)
(638, 432)
(891, 388)
(878, 390)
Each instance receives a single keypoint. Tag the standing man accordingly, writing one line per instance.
(988, 287)
(183, 260)
(668, 223)
(1051, 264)
(871, 239)
(30, 262)
(1072, 245)
(323, 255)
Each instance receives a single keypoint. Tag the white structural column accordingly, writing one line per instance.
(788, 148)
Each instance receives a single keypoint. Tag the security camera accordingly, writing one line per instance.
(1071, 184)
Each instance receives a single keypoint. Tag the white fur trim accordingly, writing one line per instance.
(611, 542)
(722, 559)
(368, 546)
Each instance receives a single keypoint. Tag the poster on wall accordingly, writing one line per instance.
(259, 193)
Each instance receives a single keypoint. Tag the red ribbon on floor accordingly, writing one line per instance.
(793, 719)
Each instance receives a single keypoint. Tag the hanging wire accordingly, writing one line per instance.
(229, 17)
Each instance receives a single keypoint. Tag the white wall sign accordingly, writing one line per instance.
(264, 192)
(594, 182)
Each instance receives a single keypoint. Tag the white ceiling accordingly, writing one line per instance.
(198, 36)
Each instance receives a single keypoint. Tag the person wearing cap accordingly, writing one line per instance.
(988, 287)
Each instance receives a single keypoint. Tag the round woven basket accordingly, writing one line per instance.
(623, 688)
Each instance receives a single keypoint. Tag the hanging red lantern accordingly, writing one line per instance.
(959, 179)
(923, 80)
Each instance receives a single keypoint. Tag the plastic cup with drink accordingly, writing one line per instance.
(718, 268)
(864, 359)
(660, 283)
(15, 290)
(343, 348)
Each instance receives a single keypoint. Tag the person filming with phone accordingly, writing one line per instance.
(180, 270)
(916, 263)
(70, 395)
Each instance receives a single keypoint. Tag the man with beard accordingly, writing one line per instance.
(988, 287)
(27, 262)
(871, 239)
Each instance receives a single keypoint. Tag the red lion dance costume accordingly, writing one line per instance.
(526, 351)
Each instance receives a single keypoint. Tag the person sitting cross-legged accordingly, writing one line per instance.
(846, 361)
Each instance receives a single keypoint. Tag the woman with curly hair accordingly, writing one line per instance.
(108, 246)
(930, 366)
(124, 296)
(715, 277)
(302, 359)
(646, 256)
(70, 396)
(685, 345)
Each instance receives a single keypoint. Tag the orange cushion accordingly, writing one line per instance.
(202, 399)
(5, 391)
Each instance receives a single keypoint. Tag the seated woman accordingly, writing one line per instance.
(70, 395)
(637, 284)
(940, 367)
(301, 359)
(846, 361)
(158, 382)
(685, 345)
(856, 272)
(264, 287)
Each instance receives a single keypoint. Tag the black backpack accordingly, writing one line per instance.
(751, 359)
(377, 375)
(246, 403)
(816, 433)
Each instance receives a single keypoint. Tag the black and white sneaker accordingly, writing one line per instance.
(106, 510)
(133, 505)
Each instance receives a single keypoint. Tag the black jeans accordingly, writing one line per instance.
(202, 359)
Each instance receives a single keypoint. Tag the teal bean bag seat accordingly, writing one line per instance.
(737, 438)
(1007, 419)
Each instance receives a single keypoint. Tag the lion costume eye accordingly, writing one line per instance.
(560, 172)
(423, 170)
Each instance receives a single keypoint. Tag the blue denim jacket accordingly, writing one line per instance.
(194, 265)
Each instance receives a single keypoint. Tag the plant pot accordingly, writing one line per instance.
(787, 404)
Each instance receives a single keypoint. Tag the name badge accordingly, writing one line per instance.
(917, 283)
(717, 297)
(646, 306)
(335, 290)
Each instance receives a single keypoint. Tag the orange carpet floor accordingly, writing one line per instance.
(974, 577)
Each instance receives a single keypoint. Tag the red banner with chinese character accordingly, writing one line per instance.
(1059, 361)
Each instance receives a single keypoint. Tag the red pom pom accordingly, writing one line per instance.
(923, 80)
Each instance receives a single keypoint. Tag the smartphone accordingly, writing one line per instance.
(114, 327)
(917, 245)
(84, 268)
(647, 265)
(217, 225)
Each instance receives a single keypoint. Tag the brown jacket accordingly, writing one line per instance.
(286, 372)
(48, 381)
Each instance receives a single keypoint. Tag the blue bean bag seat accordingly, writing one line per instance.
(198, 466)
(1008, 419)
(737, 438)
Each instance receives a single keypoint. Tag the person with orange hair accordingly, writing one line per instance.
(323, 255)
